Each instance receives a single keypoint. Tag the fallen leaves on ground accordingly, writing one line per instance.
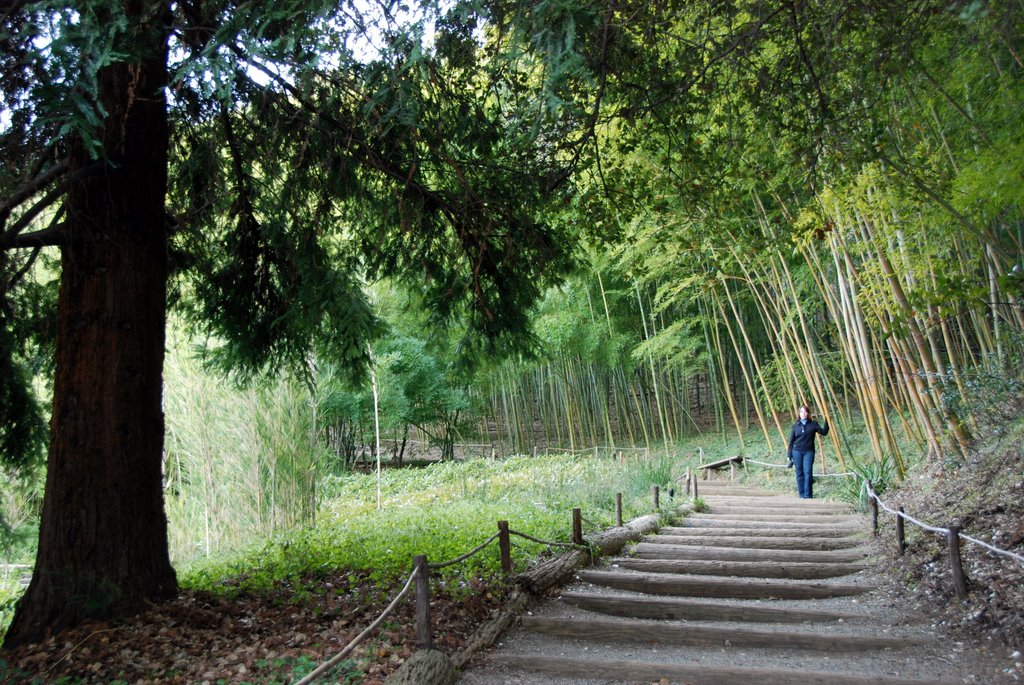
(985, 496)
(266, 637)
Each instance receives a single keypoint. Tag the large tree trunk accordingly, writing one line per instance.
(103, 534)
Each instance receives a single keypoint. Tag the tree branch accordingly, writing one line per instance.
(27, 190)
(51, 236)
(8, 236)
(979, 232)
(20, 273)
(949, 98)
(364, 151)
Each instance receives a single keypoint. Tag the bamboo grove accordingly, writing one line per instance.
(877, 279)
(767, 203)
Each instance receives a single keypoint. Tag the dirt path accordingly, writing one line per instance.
(760, 589)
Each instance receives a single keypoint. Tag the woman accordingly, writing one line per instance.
(801, 449)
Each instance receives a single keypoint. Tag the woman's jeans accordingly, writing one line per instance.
(804, 463)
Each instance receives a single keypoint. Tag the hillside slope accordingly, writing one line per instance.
(985, 496)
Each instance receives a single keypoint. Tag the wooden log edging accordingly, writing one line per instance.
(794, 570)
(718, 587)
(675, 608)
(489, 632)
(552, 571)
(657, 550)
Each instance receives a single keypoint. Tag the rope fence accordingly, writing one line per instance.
(467, 555)
(872, 495)
(421, 577)
(952, 534)
(996, 550)
(549, 543)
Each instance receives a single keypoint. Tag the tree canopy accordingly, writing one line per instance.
(776, 199)
(262, 158)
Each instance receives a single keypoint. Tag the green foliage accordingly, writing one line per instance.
(987, 390)
(653, 471)
(881, 473)
(26, 351)
(22, 430)
(442, 511)
(344, 672)
(10, 593)
(418, 385)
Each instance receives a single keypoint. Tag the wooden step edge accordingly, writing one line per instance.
(624, 630)
(743, 569)
(693, 674)
(727, 521)
(695, 585)
(712, 531)
(756, 542)
(753, 502)
(777, 502)
(756, 531)
(703, 490)
(674, 608)
(652, 550)
(826, 516)
(823, 514)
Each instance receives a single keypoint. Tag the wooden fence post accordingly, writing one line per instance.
(618, 508)
(695, 488)
(505, 545)
(577, 526)
(534, 451)
(901, 542)
(732, 470)
(959, 582)
(656, 494)
(423, 632)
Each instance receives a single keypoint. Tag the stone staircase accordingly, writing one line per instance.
(762, 589)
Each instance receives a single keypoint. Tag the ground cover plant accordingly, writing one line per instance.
(271, 612)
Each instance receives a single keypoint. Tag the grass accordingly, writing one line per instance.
(442, 510)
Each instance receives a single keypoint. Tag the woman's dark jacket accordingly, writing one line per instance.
(801, 438)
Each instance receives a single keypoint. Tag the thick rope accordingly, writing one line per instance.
(543, 542)
(467, 555)
(943, 531)
(328, 665)
(993, 549)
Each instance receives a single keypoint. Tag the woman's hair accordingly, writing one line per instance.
(809, 414)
